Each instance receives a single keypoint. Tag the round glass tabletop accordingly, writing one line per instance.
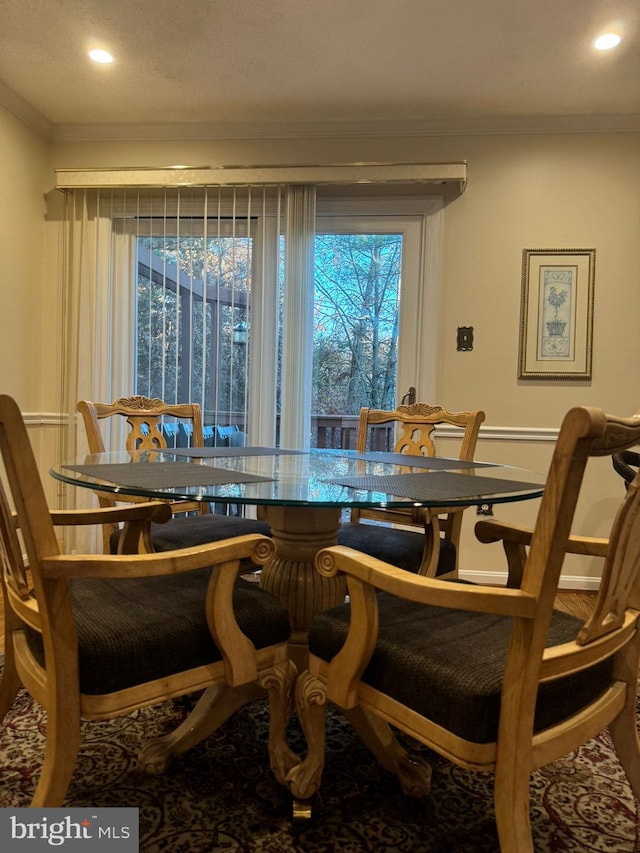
(270, 476)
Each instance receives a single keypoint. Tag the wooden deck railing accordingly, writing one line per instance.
(339, 432)
(336, 432)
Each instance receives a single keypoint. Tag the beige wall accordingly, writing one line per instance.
(23, 161)
(26, 343)
(528, 191)
(541, 191)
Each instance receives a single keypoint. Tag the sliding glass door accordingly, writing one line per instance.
(209, 297)
(369, 303)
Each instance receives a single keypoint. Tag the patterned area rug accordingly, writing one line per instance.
(221, 795)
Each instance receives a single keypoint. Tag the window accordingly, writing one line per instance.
(192, 308)
(355, 335)
(185, 290)
(193, 305)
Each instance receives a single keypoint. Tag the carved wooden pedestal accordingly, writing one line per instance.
(299, 533)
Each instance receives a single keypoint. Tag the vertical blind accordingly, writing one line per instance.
(178, 282)
(179, 294)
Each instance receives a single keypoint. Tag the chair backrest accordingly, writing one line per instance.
(148, 430)
(16, 580)
(32, 513)
(146, 419)
(612, 627)
(415, 426)
(587, 432)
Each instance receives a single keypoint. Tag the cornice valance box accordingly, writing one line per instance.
(209, 176)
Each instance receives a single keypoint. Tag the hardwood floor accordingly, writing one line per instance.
(577, 603)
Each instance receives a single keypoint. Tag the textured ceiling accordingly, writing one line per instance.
(323, 62)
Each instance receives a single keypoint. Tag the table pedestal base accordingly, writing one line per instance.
(299, 533)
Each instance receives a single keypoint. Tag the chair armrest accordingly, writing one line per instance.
(367, 570)
(157, 511)
(590, 546)
(137, 518)
(237, 650)
(253, 546)
(499, 531)
(135, 536)
(495, 531)
(515, 539)
(148, 511)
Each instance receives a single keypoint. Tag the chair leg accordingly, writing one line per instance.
(624, 733)
(511, 800)
(61, 754)
(623, 729)
(10, 682)
(279, 682)
(311, 697)
(214, 707)
(413, 773)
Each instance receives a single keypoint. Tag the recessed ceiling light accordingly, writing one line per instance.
(102, 56)
(607, 41)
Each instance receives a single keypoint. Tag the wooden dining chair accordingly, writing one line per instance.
(494, 679)
(92, 637)
(145, 418)
(426, 542)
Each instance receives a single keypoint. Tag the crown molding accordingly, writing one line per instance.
(478, 126)
(185, 131)
(24, 111)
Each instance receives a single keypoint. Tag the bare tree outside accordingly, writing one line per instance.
(193, 294)
(357, 293)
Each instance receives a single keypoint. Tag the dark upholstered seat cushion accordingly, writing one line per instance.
(135, 630)
(190, 530)
(401, 548)
(448, 664)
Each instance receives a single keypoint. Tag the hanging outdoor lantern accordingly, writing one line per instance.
(240, 334)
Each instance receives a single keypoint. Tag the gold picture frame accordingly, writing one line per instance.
(556, 314)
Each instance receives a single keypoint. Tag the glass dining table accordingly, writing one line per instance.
(302, 495)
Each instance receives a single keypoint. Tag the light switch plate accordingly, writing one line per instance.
(465, 338)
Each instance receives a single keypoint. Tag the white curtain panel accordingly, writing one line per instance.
(174, 294)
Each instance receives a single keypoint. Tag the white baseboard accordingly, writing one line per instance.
(579, 583)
